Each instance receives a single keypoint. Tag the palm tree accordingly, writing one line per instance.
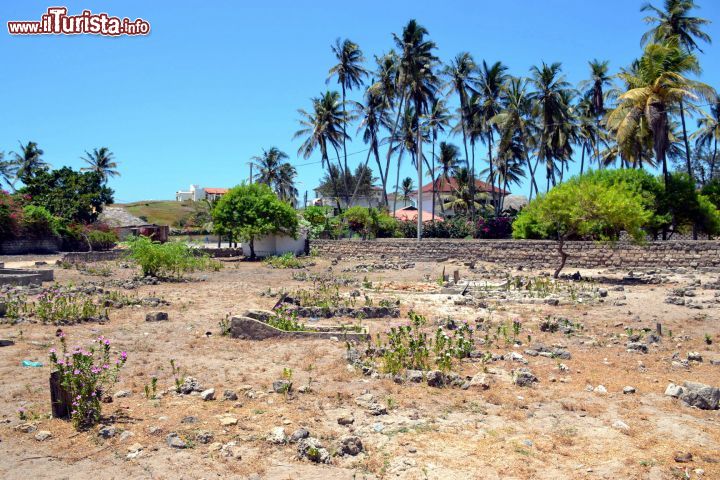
(463, 199)
(373, 116)
(8, 170)
(515, 123)
(675, 21)
(595, 93)
(285, 184)
(321, 130)
(448, 162)
(709, 132)
(655, 85)
(587, 130)
(436, 121)
(407, 188)
(406, 142)
(102, 161)
(551, 109)
(28, 161)
(460, 74)
(349, 72)
(275, 172)
(390, 89)
(490, 84)
(417, 62)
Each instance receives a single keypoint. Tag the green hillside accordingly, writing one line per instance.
(167, 212)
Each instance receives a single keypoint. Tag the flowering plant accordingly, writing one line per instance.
(85, 375)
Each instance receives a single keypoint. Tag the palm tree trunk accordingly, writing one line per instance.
(397, 181)
(685, 139)
(344, 177)
(419, 168)
(472, 181)
(361, 177)
(432, 177)
(714, 159)
(383, 176)
(390, 144)
(344, 133)
(582, 159)
(333, 178)
(493, 199)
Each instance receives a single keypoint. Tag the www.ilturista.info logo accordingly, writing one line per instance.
(57, 22)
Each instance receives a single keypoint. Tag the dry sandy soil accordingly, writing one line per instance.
(562, 427)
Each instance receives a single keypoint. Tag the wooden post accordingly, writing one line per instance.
(456, 276)
(59, 397)
(658, 329)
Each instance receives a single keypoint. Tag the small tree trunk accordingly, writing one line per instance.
(563, 257)
(60, 400)
(252, 248)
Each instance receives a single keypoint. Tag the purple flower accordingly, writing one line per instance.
(76, 372)
(52, 350)
(123, 355)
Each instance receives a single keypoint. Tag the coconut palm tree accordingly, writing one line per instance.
(515, 123)
(595, 92)
(322, 129)
(408, 187)
(8, 170)
(436, 121)
(406, 141)
(448, 162)
(460, 76)
(373, 116)
(277, 173)
(655, 86)
(708, 132)
(490, 84)
(416, 71)
(587, 133)
(28, 160)
(392, 92)
(463, 199)
(551, 109)
(675, 21)
(102, 161)
(350, 73)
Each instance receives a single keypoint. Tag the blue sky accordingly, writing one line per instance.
(216, 82)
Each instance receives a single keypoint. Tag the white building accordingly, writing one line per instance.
(197, 193)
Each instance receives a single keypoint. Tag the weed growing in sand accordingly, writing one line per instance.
(151, 389)
(286, 321)
(286, 260)
(178, 377)
(225, 326)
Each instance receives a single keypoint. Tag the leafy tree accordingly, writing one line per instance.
(584, 208)
(711, 191)
(407, 188)
(102, 161)
(708, 134)
(68, 194)
(8, 170)
(251, 211)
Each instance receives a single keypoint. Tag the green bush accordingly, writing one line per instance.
(358, 219)
(172, 259)
(286, 260)
(38, 222)
(585, 208)
(101, 240)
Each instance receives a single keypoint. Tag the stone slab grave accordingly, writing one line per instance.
(23, 276)
(292, 306)
(253, 326)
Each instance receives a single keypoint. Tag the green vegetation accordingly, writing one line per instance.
(286, 260)
(251, 211)
(584, 208)
(172, 259)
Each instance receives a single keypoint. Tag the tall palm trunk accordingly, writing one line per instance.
(419, 160)
(582, 159)
(432, 176)
(344, 177)
(344, 133)
(463, 120)
(397, 180)
(685, 139)
(714, 159)
(493, 198)
(383, 175)
(390, 144)
(361, 177)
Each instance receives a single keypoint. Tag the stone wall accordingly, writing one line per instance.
(96, 256)
(534, 253)
(27, 245)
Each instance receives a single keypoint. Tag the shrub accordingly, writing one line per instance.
(38, 222)
(86, 375)
(584, 208)
(172, 259)
(10, 216)
(101, 240)
(358, 219)
(494, 227)
(382, 224)
(286, 260)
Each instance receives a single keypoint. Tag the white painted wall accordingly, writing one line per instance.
(277, 245)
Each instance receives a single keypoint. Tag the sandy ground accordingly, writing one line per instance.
(557, 429)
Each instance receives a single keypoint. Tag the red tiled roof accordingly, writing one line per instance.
(449, 186)
(411, 213)
(216, 191)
